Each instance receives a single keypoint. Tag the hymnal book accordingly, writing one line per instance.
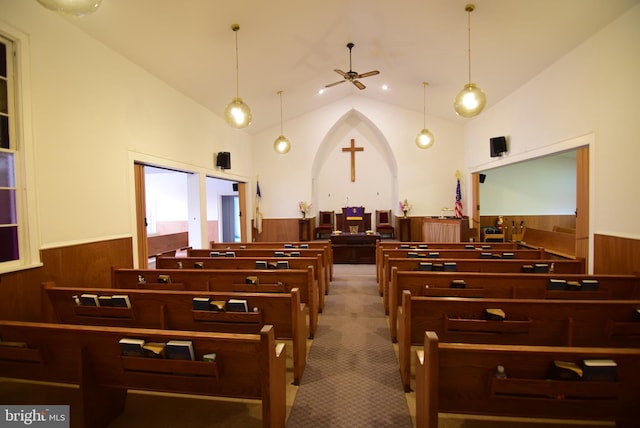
(295, 254)
(599, 370)
(278, 253)
(423, 246)
(449, 266)
(230, 254)
(130, 347)
(557, 284)
(198, 265)
(494, 314)
(88, 299)
(434, 255)
(458, 283)
(404, 246)
(541, 268)
(179, 350)
(438, 266)
(164, 279)
(12, 344)
(154, 349)
(508, 255)
(486, 247)
(237, 305)
(217, 305)
(252, 280)
(574, 285)
(590, 284)
(565, 370)
(412, 254)
(288, 246)
(486, 255)
(469, 247)
(210, 357)
(261, 264)
(304, 245)
(214, 253)
(242, 247)
(282, 264)
(201, 303)
(527, 268)
(104, 301)
(120, 301)
(425, 266)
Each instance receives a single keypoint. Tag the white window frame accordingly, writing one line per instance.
(21, 145)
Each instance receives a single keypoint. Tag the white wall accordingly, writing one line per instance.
(93, 112)
(391, 166)
(591, 92)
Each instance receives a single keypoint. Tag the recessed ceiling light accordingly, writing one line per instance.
(321, 91)
(385, 87)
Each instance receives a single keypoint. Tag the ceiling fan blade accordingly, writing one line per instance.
(370, 73)
(334, 84)
(358, 84)
(341, 73)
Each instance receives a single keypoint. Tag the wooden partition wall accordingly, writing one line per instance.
(85, 265)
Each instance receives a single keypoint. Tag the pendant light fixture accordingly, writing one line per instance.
(237, 113)
(72, 8)
(470, 100)
(281, 144)
(425, 138)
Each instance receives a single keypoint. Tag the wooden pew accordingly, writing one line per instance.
(270, 281)
(248, 366)
(460, 378)
(173, 310)
(427, 246)
(450, 253)
(528, 322)
(261, 253)
(249, 263)
(562, 266)
(503, 286)
(324, 244)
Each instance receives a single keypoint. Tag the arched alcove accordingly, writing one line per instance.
(376, 170)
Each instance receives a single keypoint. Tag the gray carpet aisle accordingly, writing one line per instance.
(351, 378)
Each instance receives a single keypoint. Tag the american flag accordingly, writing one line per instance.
(258, 217)
(458, 200)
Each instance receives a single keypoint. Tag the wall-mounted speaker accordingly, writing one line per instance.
(223, 160)
(498, 146)
(235, 187)
(482, 177)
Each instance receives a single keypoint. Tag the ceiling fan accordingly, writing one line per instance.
(351, 75)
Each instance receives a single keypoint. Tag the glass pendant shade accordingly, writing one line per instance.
(237, 113)
(282, 145)
(425, 139)
(72, 8)
(470, 101)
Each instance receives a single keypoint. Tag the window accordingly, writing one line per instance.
(17, 251)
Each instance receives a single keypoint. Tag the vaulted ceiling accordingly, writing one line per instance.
(294, 46)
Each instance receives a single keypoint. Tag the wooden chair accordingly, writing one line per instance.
(383, 224)
(325, 225)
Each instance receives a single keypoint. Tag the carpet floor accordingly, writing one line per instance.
(351, 378)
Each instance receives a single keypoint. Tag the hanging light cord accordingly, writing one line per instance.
(424, 104)
(469, 8)
(235, 28)
(280, 93)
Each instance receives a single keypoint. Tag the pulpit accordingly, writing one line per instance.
(353, 220)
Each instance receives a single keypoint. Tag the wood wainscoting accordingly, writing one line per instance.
(281, 230)
(615, 255)
(84, 265)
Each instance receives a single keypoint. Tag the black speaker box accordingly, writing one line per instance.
(223, 160)
(498, 146)
(482, 177)
(235, 187)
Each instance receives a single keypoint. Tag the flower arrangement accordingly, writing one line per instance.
(304, 208)
(405, 207)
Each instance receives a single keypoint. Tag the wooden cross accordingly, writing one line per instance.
(353, 149)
